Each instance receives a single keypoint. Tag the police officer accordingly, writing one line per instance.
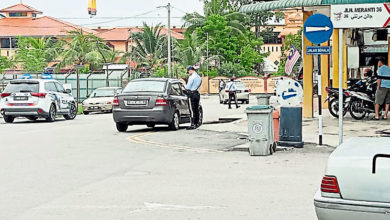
(232, 88)
(193, 86)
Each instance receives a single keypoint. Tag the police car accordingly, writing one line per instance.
(37, 98)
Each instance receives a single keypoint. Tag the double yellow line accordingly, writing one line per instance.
(139, 139)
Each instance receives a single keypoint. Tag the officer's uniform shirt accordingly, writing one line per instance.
(194, 82)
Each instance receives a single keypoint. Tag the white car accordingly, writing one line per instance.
(242, 93)
(357, 182)
(101, 100)
(36, 98)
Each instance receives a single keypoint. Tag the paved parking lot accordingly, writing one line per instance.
(85, 169)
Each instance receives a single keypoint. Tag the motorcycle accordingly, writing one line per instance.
(333, 98)
(363, 103)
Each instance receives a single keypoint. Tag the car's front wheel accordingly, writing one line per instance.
(52, 114)
(122, 127)
(72, 112)
(175, 123)
(9, 119)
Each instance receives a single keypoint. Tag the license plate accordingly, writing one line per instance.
(20, 98)
(137, 102)
(238, 91)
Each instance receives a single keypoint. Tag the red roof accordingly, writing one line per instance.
(123, 34)
(43, 26)
(116, 34)
(20, 8)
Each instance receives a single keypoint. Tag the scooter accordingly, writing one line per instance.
(333, 98)
(363, 103)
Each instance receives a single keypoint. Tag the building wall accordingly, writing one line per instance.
(275, 51)
(119, 45)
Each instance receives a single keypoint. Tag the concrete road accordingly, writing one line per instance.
(85, 170)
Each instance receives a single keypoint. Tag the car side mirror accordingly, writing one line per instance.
(68, 91)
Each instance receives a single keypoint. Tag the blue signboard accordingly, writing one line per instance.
(318, 28)
(318, 50)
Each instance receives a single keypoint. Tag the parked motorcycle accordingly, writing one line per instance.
(363, 103)
(333, 98)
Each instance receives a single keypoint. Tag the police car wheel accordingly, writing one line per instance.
(9, 119)
(52, 114)
(72, 113)
(122, 127)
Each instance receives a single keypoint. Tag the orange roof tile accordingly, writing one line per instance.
(123, 34)
(43, 26)
(20, 8)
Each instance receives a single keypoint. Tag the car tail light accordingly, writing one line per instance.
(226, 90)
(161, 102)
(329, 184)
(3, 95)
(347, 94)
(39, 95)
(116, 102)
(108, 103)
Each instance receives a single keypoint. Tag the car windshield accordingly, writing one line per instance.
(103, 93)
(145, 86)
(22, 87)
(240, 85)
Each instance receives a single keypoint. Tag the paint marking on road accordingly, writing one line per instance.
(166, 207)
(139, 139)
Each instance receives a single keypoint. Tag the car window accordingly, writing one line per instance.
(145, 86)
(103, 93)
(51, 87)
(22, 87)
(175, 89)
(60, 88)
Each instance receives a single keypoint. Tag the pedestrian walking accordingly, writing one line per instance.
(222, 85)
(382, 96)
(232, 88)
(192, 87)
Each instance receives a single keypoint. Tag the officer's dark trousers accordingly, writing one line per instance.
(233, 96)
(195, 99)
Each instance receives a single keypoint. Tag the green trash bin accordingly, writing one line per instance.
(261, 130)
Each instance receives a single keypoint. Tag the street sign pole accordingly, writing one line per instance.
(341, 92)
(319, 81)
(318, 29)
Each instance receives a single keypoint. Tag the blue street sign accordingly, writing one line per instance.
(318, 28)
(318, 50)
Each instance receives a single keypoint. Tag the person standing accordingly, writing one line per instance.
(382, 96)
(232, 88)
(192, 87)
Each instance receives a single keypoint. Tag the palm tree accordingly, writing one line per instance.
(151, 47)
(36, 53)
(85, 49)
(189, 51)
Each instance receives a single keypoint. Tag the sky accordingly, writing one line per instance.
(117, 9)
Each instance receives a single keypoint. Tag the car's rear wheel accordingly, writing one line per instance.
(72, 112)
(151, 125)
(86, 113)
(247, 102)
(9, 119)
(175, 123)
(52, 114)
(32, 118)
(122, 127)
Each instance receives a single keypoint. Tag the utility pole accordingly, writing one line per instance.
(207, 56)
(168, 7)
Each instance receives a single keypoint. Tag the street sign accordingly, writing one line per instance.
(318, 28)
(318, 50)
(360, 15)
(289, 92)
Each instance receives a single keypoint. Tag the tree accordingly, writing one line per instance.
(151, 48)
(85, 49)
(189, 51)
(36, 53)
(5, 63)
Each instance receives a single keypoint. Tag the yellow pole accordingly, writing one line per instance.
(324, 76)
(307, 75)
(335, 58)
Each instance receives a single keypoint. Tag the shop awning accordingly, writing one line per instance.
(283, 4)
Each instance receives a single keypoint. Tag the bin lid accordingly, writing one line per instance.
(259, 108)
